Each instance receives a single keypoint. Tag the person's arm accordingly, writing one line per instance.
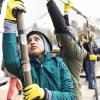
(10, 54)
(66, 17)
(10, 51)
(96, 50)
(67, 8)
(64, 33)
(56, 17)
(66, 92)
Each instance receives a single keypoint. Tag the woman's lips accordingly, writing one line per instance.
(33, 47)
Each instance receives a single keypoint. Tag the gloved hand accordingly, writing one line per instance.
(11, 4)
(92, 57)
(33, 91)
(67, 6)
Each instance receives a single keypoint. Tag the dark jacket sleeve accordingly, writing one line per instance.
(56, 17)
(60, 24)
(66, 20)
(96, 50)
(58, 20)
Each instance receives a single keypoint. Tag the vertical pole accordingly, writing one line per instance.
(24, 49)
(18, 13)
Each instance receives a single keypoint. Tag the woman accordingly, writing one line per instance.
(50, 76)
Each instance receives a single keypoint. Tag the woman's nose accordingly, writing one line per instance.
(32, 42)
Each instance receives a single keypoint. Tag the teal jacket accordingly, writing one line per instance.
(51, 74)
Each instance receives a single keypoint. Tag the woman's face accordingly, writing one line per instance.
(36, 45)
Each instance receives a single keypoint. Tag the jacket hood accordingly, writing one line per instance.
(73, 33)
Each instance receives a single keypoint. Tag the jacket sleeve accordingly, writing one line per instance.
(58, 20)
(66, 17)
(97, 50)
(10, 51)
(67, 91)
(56, 17)
(71, 47)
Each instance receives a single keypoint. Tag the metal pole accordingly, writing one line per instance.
(78, 12)
(24, 49)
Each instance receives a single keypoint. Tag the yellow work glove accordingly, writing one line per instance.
(92, 57)
(11, 4)
(67, 6)
(33, 91)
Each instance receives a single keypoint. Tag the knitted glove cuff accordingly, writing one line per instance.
(48, 94)
(10, 26)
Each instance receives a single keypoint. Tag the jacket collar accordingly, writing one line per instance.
(47, 56)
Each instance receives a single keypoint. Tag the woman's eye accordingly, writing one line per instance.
(29, 40)
(34, 39)
(37, 39)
